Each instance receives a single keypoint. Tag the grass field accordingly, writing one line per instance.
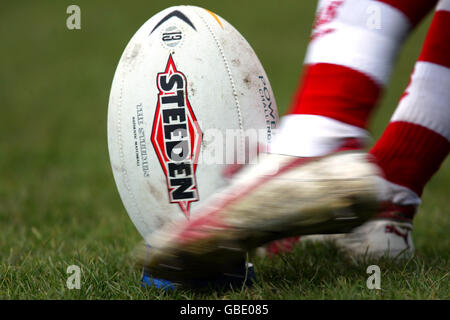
(58, 202)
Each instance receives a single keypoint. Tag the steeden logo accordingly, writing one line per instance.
(176, 137)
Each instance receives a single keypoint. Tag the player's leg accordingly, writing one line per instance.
(349, 59)
(413, 146)
(353, 46)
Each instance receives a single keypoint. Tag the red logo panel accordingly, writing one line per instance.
(176, 137)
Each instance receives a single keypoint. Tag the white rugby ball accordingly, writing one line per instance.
(186, 80)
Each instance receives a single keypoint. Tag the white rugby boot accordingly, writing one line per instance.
(389, 234)
(279, 197)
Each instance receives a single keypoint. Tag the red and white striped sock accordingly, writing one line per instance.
(417, 140)
(353, 46)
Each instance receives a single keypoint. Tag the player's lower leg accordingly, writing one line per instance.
(411, 149)
(340, 88)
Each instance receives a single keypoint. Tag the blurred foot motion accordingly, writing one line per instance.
(279, 197)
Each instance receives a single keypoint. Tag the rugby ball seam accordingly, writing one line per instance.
(126, 178)
(230, 77)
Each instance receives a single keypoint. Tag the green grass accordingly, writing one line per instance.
(58, 201)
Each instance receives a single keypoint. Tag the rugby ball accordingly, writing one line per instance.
(187, 86)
